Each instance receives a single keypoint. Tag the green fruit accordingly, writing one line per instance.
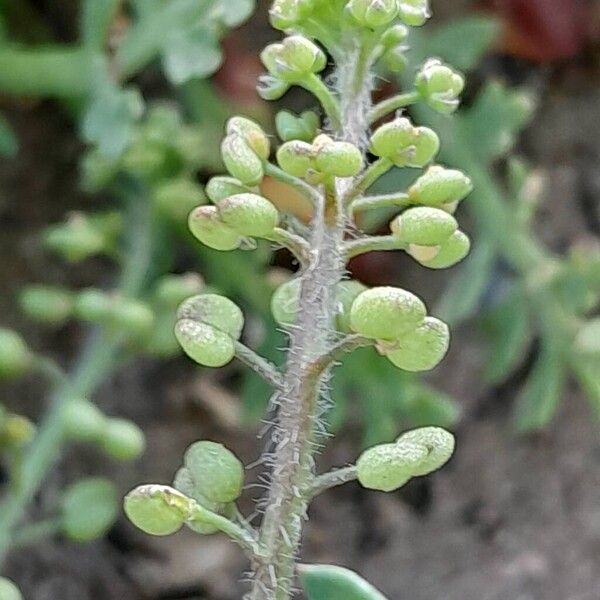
(426, 145)
(286, 13)
(296, 158)
(271, 88)
(249, 214)
(206, 225)
(440, 86)
(347, 292)
(158, 509)
(15, 357)
(422, 349)
(50, 305)
(204, 344)
(388, 467)
(451, 252)
(440, 186)
(339, 159)
(123, 440)
(439, 444)
(386, 313)
(241, 161)
(89, 509)
(424, 226)
(285, 302)
(8, 590)
(291, 127)
(217, 473)
(373, 13)
(217, 311)
(252, 133)
(219, 188)
(184, 483)
(414, 12)
(83, 421)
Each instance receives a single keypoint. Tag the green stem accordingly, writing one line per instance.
(390, 105)
(365, 203)
(296, 244)
(373, 244)
(260, 365)
(333, 479)
(309, 192)
(376, 170)
(315, 85)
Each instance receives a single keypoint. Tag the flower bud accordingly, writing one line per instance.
(395, 36)
(287, 13)
(423, 348)
(252, 133)
(388, 467)
(347, 292)
(440, 86)
(386, 313)
(15, 357)
(219, 188)
(440, 186)
(8, 590)
(414, 12)
(285, 302)
(271, 88)
(451, 252)
(123, 440)
(172, 290)
(293, 59)
(439, 444)
(241, 161)
(395, 59)
(216, 472)
(75, 240)
(339, 159)
(291, 127)
(89, 509)
(175, 198)
(404, 144)
(296, 158)
(49, 305)
(373, 13)
(424, 226)
(214, 310)
(204, 344)
(83, 421)
(158, 509)
(249, 214)
(205, 224)
(94, 306)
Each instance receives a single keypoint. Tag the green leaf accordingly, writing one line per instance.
(95, 20)
(234, 12)
(9, 146)
(588, 377)
(539, 400)
(192, 54)
(510, 333)
(425, 406)
(327, 582)
(463, 296)
(495, 119)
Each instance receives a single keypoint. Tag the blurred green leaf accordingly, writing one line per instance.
(327, 582)
(588, 377)
(425, 406)
(9, 145)
(96, 16)
(235, 12)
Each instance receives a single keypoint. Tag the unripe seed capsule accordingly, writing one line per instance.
(285, 302)
(440, 186)
(295, 158)
(440, 86)
(219, 188)
(249, 214)
(339, 159)
(395, 59)
(50, 305)
(8, 590)
(287, 13)
(15, 357)
(302, 55)
(89, 509)
(123, 440)
(426, 147)
(373, 13)
(214, 310)
(439, 444)
(414, 12)
(158, 509)
(388, 467)
(424, 226)
(271, 88)
(252, 133)
(394, 36)
(204, 344)
(241, 161)
(451, 252)
(386, 313)
(184, 483)
(422, 349)
(291, 127)
(216, 472)
(205, 224)
(347, 292)
(83, 421)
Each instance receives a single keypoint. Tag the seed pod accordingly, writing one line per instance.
(439, 444)
(451, 252)
(172, 290)
(295, 158)
(219, 188)
(8, 590)
(386, 313)
(414, 12)
(252, 133)
(204, 344)
(214, 310)
(89, 509)
(291, 127)
(293, 59)
(206, 225)
(216, 472)
(422, 349)
(123, 440)
(271, 88)
(440, 86)
(347, 292)
(158, 509)
(83, 421)
(440, 186)
(287, 13)
(426, 147)
(249, 214)
(175, 198)
(285, 302)
(339, 159)
(184, 483)
(241, 161)
(395, 59)
(395, 36)
(373, 13)
(424, 226)
(45, 304)
(94, 306)
(388, 467)
(15, 357)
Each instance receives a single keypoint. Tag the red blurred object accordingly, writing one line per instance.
(545, 30)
